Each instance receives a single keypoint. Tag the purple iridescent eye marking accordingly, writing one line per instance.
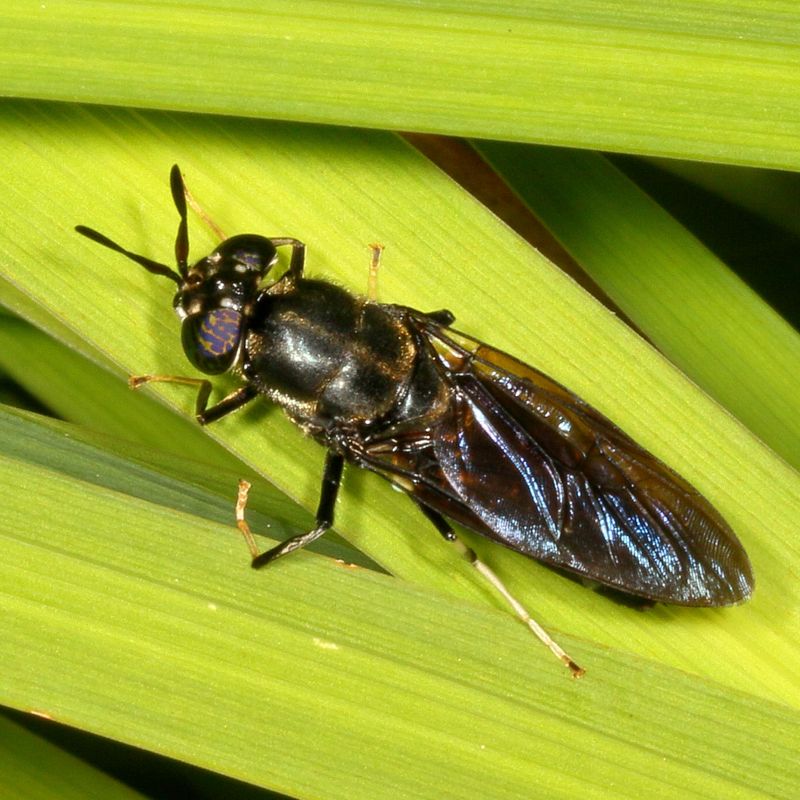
(219, 333)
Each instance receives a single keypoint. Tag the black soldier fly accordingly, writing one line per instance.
(471, 434)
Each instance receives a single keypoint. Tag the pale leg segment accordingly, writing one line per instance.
(446, 530)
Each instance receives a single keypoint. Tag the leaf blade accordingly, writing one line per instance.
(682, 79)
(202, 635)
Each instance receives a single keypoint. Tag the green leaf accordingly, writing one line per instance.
(321, 680)
(74, 388)
(32, 767)
(692, 307)
(165, 640)
(685, 78)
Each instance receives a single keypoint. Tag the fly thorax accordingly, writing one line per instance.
(326, 355)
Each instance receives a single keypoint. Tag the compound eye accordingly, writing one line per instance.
(211, 339)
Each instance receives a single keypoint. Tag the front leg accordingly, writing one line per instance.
(331, 480)
(236, 399)
(298, 259)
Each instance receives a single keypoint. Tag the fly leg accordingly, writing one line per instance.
(205, 218)
(372, 279)
(181, 196)
(441, 317)
(298, 258)
(331, 480)
(203, 413)
(446, 530)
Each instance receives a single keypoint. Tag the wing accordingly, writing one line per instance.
(517, 457)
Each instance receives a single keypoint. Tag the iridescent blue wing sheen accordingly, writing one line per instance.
(519, 458)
